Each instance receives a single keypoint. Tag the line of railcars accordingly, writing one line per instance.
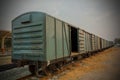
(40, 40)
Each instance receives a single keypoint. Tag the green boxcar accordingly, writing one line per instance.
(36, 36)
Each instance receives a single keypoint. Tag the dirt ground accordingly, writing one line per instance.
(103, 66)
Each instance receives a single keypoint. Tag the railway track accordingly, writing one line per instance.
(7, 67)
(5, 63)
(14, 73)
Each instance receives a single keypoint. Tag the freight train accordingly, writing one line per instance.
(40, 40)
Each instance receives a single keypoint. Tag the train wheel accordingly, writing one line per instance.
(35, 70)
(40, 71)
(32, 69)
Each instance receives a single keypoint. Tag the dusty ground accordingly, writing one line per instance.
(103, 66)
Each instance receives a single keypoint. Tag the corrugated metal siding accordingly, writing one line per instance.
(85, 41)
(57, 38)
(93, 43)
(59, 44)
(66, 39)
(81, 41)
(28, 38)
(98, 43)
(102, 43)
(88, 41)
(50, 38)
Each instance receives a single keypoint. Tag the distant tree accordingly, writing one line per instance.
(117, 41)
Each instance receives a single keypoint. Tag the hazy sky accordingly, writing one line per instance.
(101, 17)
